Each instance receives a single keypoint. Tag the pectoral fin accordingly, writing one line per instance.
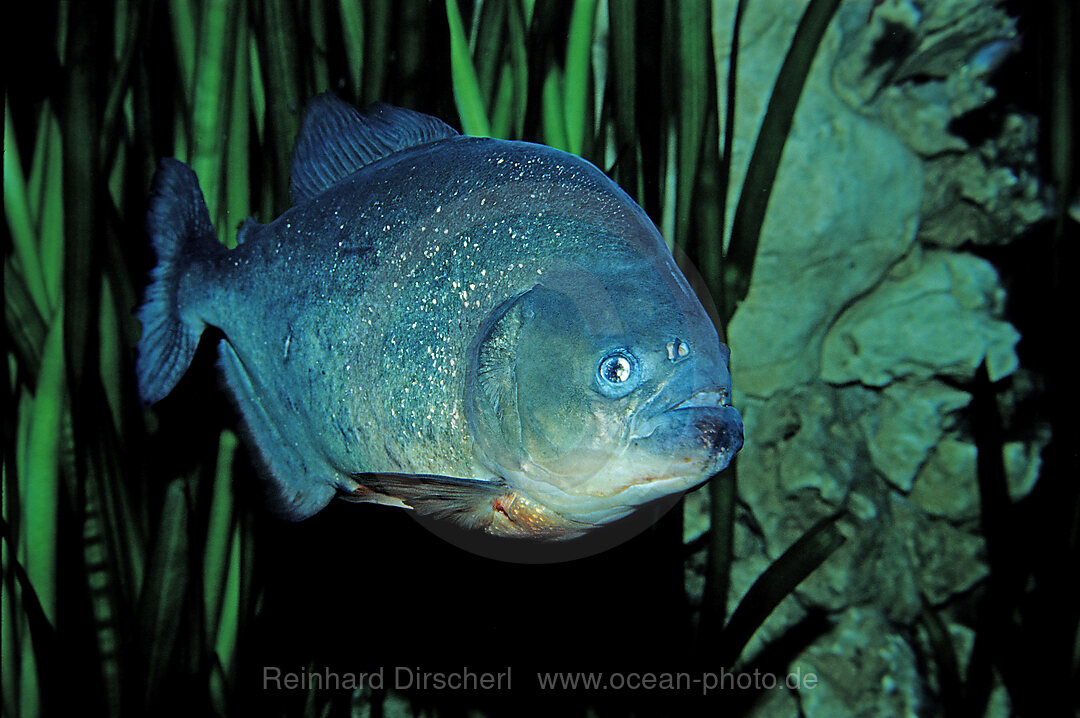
(466, 502)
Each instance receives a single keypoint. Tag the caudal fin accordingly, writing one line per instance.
(179, 227)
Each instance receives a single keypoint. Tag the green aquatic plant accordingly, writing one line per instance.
(159, 553)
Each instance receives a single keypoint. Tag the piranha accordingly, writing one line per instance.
(488, 332)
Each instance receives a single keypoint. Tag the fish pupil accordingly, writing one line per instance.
(615, 369)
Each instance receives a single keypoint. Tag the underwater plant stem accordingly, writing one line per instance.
(734, 285)
(220, 529)
(769, 147)
(622, 20)
(165, 591)
(1062, 110)
(696, 101)
(723, 493)
(724, 168)
(995, 634)
(774, 585)
(720, 555)
(81, 225)
(284, 92)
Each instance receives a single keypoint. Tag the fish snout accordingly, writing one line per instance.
(723, 434)
(703, 430)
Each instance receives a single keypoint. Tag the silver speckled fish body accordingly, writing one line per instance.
(487, 331)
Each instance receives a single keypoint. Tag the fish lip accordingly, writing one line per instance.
(708, 397)
(711, 397)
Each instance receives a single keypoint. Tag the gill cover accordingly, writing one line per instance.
(535, 394)
(491, 387)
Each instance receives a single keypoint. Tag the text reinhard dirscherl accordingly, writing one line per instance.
(408, 678)
(402, 678)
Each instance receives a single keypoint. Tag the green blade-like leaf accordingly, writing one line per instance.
(502, 110)
(17, 211)
(51, 212)
(231, 607)
(576, 82)
(41, 482)
(238, 149)
(519, 64)
(317, 12)
(258, 90)
(467, 95)
(622, 19)
(553, 111)
(489, 41)
(379, 16)
(769, 147)
(285, 95)
(695, 102)
(351, 14)
(182, 22)
(220, 529)
(110, 346)
(26, 328)
(212, 65)
(165, 592)
(778, 582)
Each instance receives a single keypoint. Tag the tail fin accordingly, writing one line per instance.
(178, 223)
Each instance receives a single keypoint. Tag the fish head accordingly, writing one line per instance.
(602, 388)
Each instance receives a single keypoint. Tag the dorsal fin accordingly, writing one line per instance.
(336, 139)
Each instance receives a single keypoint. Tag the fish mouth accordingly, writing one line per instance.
(716, 396)
(668, 452)
(712, 397)
(703, 430)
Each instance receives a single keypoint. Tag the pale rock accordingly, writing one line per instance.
(804, 440)
(833, 241)
(921, 116)
(945, 559)
(778, 703)
(1023, 462)
(985, 197)
(827, 236)
(923, 69)
(808, 461)
(935, 321)
(864, 668)
(853, 321)
(947, 486)
(908, 424)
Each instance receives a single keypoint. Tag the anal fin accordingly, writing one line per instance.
(302, 484)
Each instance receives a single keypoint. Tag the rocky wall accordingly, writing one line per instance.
(868, 314)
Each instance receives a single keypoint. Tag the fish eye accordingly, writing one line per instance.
(615, 372)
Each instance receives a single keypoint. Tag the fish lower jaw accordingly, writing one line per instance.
(620, 496)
